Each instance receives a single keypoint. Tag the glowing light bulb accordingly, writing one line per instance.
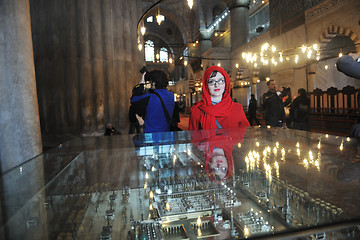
(303, 48)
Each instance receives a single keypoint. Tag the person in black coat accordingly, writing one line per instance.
(110, 130)
(300, 110)
(252, 110)
(273, 106)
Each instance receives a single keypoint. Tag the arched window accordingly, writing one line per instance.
(149, 51)
(164, 55)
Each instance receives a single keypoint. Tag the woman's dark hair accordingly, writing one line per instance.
(213, 74)
(302, 92)
(159, 77)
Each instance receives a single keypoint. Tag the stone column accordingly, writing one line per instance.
(20, 137)
(205, 40)
(239, 18)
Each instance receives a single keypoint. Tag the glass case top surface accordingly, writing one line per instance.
(240, 183)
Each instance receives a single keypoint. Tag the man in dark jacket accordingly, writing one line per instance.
(273, 106)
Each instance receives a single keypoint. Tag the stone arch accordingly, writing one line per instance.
(177, 20)
(334, 30)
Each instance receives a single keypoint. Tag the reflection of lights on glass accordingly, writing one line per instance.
(298, 152)
(319, 145)
(326, 135)
(265, 153)
(306, 163)
(151, 207)
(151, 195)
(268, 171)
(145, 185)
(277, 144)
(297, 144)
(21, 170)
(341, 146)
(275, 151)
(348, 139)
(317, 164)
(283, 154)
(189, 152)
(198, 222)
(257, 144)
(239, 145)
(311, 156)
(146, 175)
(277, 169)
(153, 168)
(199, 233)
(246, 232)
(168, 206)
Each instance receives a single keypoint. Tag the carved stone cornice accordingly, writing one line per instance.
(238, 3)
(322, 8)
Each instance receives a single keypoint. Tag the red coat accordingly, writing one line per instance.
(228, 113)
(236, 118)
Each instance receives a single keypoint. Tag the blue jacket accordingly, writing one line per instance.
(155, 119)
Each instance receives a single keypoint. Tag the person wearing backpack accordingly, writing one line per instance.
(159, 102)
(300, 110)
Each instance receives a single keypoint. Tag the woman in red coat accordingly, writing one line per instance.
(216, 109)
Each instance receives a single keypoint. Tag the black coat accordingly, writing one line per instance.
(274, 109)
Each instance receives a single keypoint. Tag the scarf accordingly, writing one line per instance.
(210, 111)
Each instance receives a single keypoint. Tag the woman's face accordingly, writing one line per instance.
(219, 165)
(216, 85)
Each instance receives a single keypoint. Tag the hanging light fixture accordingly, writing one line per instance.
(143, 30)
(159, 17)
(190, 3)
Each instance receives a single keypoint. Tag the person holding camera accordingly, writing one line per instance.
(155, 119)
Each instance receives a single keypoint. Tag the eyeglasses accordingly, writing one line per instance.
(219, 82)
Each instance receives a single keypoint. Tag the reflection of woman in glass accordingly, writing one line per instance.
(216, 109)
(217, 146)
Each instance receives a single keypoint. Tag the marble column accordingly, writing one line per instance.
(239, 22)
(205, 40)
(20, 137)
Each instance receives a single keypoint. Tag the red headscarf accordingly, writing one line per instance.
(207, 140)
(210, 111)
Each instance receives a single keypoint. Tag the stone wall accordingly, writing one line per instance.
(86, 63)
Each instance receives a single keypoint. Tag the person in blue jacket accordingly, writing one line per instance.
(155, 118)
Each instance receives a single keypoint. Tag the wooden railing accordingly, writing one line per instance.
(334, 111)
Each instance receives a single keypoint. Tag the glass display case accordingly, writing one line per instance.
(251, 183)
